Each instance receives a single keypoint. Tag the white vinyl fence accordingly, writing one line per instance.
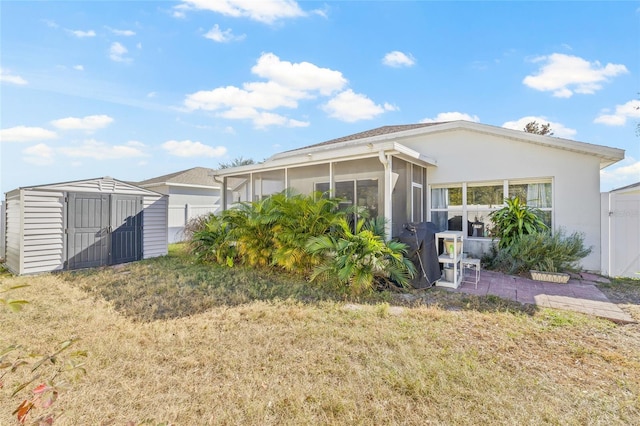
(180, 215)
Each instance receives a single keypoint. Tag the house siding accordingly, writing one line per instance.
(575, 176)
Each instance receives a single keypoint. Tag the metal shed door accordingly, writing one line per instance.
(126, 225)
(87, 227)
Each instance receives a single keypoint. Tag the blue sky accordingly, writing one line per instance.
(135, 90)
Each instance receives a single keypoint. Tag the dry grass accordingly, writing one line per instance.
(287, 362)
(625, 292)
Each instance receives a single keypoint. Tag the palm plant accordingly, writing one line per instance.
(359, 257)
(251, 227)
(514, 220)
(301, 218)
(210, 241)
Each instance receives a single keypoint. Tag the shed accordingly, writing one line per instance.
(621, 232)
(82, 224)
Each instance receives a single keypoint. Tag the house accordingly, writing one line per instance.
(82, 224)
(621, 232)
(192, 193)
(450, 173)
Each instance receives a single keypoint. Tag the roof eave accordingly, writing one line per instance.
(343, 152)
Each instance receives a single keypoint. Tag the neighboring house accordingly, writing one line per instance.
(82, 224)
(192, 193)
(452, 173)
(621, 232)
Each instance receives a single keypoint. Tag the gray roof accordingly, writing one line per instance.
(384, 130)
(196, 176)
(633, 185)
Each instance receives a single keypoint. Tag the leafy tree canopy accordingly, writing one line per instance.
(538, 129)
(237, 162)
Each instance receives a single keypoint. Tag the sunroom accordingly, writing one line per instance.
(388, 180)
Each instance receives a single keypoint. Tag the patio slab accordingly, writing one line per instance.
(579, 295)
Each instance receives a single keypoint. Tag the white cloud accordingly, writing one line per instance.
(26, 134)
(83, 34)
(217, 35)
(262, 119)
(350, 107)
(558, 129)
(50, 23)
(398, 59)
(90, 122)
(300, 76)
(152, 94)
(565, 75)
(621, 174)
(8, 77)
(78, 67)
(288, 83)
(265, 11)
(123, 33)
(451, 116)
(619, 118)
(263, 95)
(117, 52)
(188, 148)
(102, 151)
(40, 155)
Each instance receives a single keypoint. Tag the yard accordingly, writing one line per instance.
(171, 341)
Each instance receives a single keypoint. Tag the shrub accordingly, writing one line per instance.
(210, 241)
(307, 235)
(361, 258)
(542, 251)
(515, 220)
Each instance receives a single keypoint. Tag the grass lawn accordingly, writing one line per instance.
(172, 341)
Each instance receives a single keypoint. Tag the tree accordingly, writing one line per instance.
(538, 129)
(236, 163)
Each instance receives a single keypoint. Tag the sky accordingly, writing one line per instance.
(138, 89)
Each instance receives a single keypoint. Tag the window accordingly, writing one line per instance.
(481, 201)
(446, 208)
(417, 202)
(323, 188)
(467, 206)
(365, 191)
(536, 194)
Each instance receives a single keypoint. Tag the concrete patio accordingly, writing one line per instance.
(579, 294)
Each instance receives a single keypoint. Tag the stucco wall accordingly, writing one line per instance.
(464, 156)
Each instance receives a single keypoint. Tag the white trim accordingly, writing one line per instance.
(184, 185)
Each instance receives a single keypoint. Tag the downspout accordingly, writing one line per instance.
(385, 160)
(223, 191)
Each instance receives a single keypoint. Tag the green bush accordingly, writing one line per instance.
(359, 260)
(210, 240)
(541, 251)
(514, 220)
(277, 230)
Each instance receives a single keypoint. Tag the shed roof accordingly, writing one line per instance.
(627, 187)
(104, 184)
(196, 176)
